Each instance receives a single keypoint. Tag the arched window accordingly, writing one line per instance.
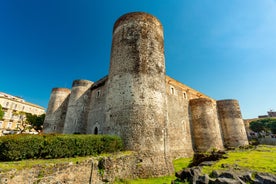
(98, 94)
(96, 131)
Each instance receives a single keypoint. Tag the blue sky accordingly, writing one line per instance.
(225, 49)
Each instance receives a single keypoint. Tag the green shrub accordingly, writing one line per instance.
(18, 147)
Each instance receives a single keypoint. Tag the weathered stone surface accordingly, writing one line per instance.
(265, 178)
(227, 181)
(94, 170)
(75, 121)
(246, 177)
(154, 114)
(203, 179)
(136, 98)
(207, 163)
(178, 96)
(201, 159)
(56, 111)
(189, 174)
(194, 175)
(232, 125)
(205, 125)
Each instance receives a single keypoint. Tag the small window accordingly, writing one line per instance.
(7, 104)
(9, 125)
(55, 127)
(98, 94)
(172, 90)
(1, 124)
(185, 95)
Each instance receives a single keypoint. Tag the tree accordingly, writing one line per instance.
(36, 121)
(257, 126)
(24, 125)
(267, 125)
(2, 113)
(272, 126)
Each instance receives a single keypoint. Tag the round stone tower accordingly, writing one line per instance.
(136, 100)
(205, 125)
(56, 111)
(232, 125)
(75, 121)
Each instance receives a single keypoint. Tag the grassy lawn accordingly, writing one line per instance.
(4, 166)
(262, 159)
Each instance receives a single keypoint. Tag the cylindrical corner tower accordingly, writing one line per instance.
(56, 111)
(205, 125)
(232, 125)
(75, 121)
(136, 99)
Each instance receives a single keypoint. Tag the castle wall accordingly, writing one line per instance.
(205, 125)
(179, 133)
(56, 111)
(96, 115)
(232, 125)
(136, 99)
(155, 115)
(75, 121)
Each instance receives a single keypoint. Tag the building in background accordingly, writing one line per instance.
(270, 114)
(15, 109)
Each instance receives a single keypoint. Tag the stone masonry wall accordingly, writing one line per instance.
(232, 125)
(96, 115)
(136, 98)
(93, 171)
(56, 112)
(75, 121)
(154, 114)
(205, 125)
(179, 132)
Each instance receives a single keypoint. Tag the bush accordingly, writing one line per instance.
(18, 147)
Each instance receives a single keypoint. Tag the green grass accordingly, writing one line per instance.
(23, 164)
(181, 163)
(261, 159)
(160, 180)
(19, 165)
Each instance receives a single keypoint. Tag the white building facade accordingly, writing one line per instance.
(14, 112)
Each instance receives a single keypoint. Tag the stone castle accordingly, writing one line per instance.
(154, 114)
